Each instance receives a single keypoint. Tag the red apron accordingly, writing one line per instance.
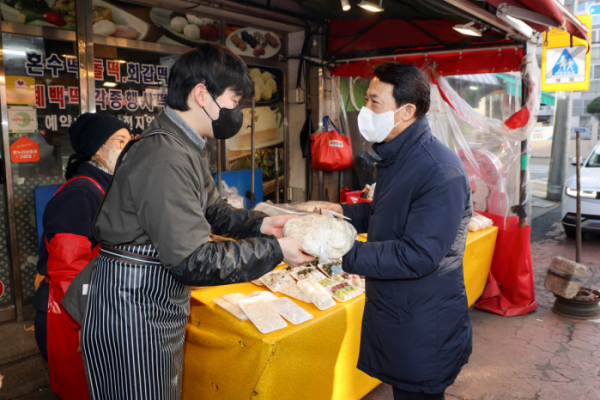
(68, 254)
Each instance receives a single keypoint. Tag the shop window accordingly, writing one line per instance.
(596, 72)
(594, 87)
(55, 14)
(595, 52)
(43, 101)
(131, 84)
(585, 121)
(578, 107)
(595, 36)
(582, 7)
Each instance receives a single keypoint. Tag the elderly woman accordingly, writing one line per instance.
(68, 244)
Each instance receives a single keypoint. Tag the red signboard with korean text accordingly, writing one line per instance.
(24, 150)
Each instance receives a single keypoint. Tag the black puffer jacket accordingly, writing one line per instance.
(416, 332)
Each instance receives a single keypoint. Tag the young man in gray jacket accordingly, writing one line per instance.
(154, 228)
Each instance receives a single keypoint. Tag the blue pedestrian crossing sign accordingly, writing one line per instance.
(566, 59)
(565, 64)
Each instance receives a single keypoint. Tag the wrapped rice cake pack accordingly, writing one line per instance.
(322, 236)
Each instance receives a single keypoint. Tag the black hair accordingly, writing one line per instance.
(212, 64)
(410, 84)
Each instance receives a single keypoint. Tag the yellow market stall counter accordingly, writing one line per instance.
(225, 358)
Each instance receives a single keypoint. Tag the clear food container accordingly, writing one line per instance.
(317, 294)
(303, 273)
(290, 310)
(229, 303)
(262, 315)
(295, 292)
(275, 280)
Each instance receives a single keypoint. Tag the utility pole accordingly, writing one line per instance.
(560, 146)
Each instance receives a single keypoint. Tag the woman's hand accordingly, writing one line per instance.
(274, 225)
(293, 255)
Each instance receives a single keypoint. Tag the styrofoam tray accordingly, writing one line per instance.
(229, 303)
(330, 283)
(290, 310)
(355, 293)
(295, 292)
(262, 315)
(337, 270)
(268, 296)
(316, 274)
(317, 294)
(286, 280)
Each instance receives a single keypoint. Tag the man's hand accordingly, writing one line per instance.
(293, 255)
(337, 208)
(274, 225)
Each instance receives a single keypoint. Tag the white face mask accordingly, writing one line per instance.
(113, 156)
(376, 127)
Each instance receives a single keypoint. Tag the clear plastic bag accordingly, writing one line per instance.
(479, 222)
(272, 210)
(491, 150)
(322, 236)
(232, 196)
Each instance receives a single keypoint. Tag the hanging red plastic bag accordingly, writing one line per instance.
(330, 150)
(509, 290)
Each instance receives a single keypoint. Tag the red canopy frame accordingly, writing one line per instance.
(453, 62)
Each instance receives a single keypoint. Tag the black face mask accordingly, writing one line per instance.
(229, 122)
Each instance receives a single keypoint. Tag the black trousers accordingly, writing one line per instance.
(402, 395)
(40, 333)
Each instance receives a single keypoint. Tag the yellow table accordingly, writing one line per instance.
(477, 261)
(228, 359)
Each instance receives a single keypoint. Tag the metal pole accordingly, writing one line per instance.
(219, 166)
(523, 195)
(276, 176)
(560, 141)
(321, 184)
(85, 59)
(578, 223)
(10, 204)
(252, 150)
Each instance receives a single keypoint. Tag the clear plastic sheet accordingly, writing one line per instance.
(491, 149)
(492, 152)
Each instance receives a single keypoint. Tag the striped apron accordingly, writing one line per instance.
(134, 325)
(134, 328)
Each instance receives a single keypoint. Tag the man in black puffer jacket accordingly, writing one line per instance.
(416, 332)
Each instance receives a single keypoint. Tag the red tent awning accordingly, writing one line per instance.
(503, 59)
(389, 34)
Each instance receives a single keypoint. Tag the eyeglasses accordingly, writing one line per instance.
(122, 142)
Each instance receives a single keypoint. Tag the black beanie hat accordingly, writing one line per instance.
(88, 134)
